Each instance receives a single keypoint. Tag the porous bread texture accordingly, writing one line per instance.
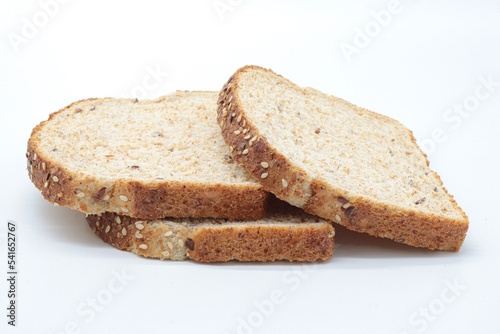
(336, 160)
(147, 159)
(284, 235)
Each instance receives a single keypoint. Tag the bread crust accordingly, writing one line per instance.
(224, 242)
(293, 184)
(78, 190)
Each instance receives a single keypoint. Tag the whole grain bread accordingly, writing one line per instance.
(336, 160)
(146, 159)
(287, 233)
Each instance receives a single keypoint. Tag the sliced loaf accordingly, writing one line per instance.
(338, 161)
(146, 159)
(286, 234)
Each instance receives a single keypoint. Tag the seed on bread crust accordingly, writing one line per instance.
(264, 175)
(143, 246)
(285, 184)
(342, 199)
(349, 211)
(189, 244)
(123, 198)
(101, 192)
(264, 164)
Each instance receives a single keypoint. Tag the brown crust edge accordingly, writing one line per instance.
(305, 242)
(241, 242)
(318, 197)
(60, 186)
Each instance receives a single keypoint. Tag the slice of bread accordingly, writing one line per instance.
(338, 161)
(286, 234)
(146, 159)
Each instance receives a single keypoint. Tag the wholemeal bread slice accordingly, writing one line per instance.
(287, 233)
(338, 161)
(146, 159)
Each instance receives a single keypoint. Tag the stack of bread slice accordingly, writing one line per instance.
(188, 175)
(156, 178)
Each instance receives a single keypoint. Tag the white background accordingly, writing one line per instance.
(429, 57)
